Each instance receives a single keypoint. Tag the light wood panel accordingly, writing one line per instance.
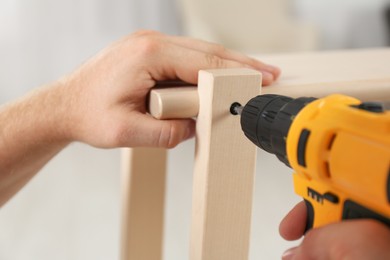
(143, 193)
(362, 73)
(224, 167)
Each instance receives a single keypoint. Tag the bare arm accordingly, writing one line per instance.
(31, 133)
(103, 103)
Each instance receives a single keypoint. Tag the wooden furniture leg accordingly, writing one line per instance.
(143, 193)
(224, 167)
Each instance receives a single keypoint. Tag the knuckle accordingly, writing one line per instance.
(143, 43)
(120, 135)
(220, 50)
(145, 33)
(309, 243)
(310, 236)
(372, 226)
(340, 251)
(148, 46)
(214, 61)
(168, 136)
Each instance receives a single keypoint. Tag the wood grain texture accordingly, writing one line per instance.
(143, 193)
(364, 74)
(224, 167)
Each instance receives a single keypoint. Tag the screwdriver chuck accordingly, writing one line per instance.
(266, 120)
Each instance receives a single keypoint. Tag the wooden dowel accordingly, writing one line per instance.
(175, 102)
(183, 102)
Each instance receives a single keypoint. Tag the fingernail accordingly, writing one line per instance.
(267, 77)
(274, 70)
(289, 254)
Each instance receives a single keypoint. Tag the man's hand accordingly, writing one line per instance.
(350, 239)
(107, 94)
(103, 103)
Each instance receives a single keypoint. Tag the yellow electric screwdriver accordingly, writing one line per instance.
(338, 146)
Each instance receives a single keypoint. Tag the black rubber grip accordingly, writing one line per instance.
(302, 142)
(310, 216)
(353, 210)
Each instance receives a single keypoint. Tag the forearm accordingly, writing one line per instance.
(32, 131)
(102, 103)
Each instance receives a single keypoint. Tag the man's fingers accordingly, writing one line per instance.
(293, 225)
(169, 58)
(172, 61)
(221, 51)
(146, 131)
(351, 239)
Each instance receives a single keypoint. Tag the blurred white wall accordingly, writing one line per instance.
(252, 26)
(258, 26)
(71, 209)
(43, 39)
(345, 23)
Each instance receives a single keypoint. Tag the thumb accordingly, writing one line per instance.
(293, 225)
(150, 132)
(350, 239)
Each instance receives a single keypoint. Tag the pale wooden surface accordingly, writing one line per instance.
(224, 168)
(363, 73)
(143, 193)
(176, 102)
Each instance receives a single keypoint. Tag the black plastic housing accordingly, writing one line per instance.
(266, 120)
